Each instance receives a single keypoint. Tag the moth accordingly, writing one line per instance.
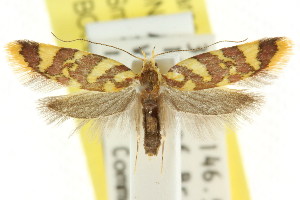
(193, 92)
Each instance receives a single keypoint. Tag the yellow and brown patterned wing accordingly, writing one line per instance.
(228, 65)
(69, 67)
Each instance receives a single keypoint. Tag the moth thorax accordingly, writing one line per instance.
(150, 76)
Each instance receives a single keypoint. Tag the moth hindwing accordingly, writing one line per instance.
(150, 103)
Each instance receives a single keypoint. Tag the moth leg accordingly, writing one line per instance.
(138, 139)
(137, 149)
(163, 137)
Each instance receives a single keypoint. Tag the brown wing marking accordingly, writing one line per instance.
(228, 65)
(70, 67)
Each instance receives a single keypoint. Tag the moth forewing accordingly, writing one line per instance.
(69, 67)
(229, 65)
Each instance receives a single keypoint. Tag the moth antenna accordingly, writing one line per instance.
(81, 39)
(197, 49)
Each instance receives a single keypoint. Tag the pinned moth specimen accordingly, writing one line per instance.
(116, 99)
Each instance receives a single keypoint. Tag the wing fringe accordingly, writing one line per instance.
(26, 74)
(208, 117)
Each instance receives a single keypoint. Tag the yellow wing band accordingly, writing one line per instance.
(229, 65)
(70, 67)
